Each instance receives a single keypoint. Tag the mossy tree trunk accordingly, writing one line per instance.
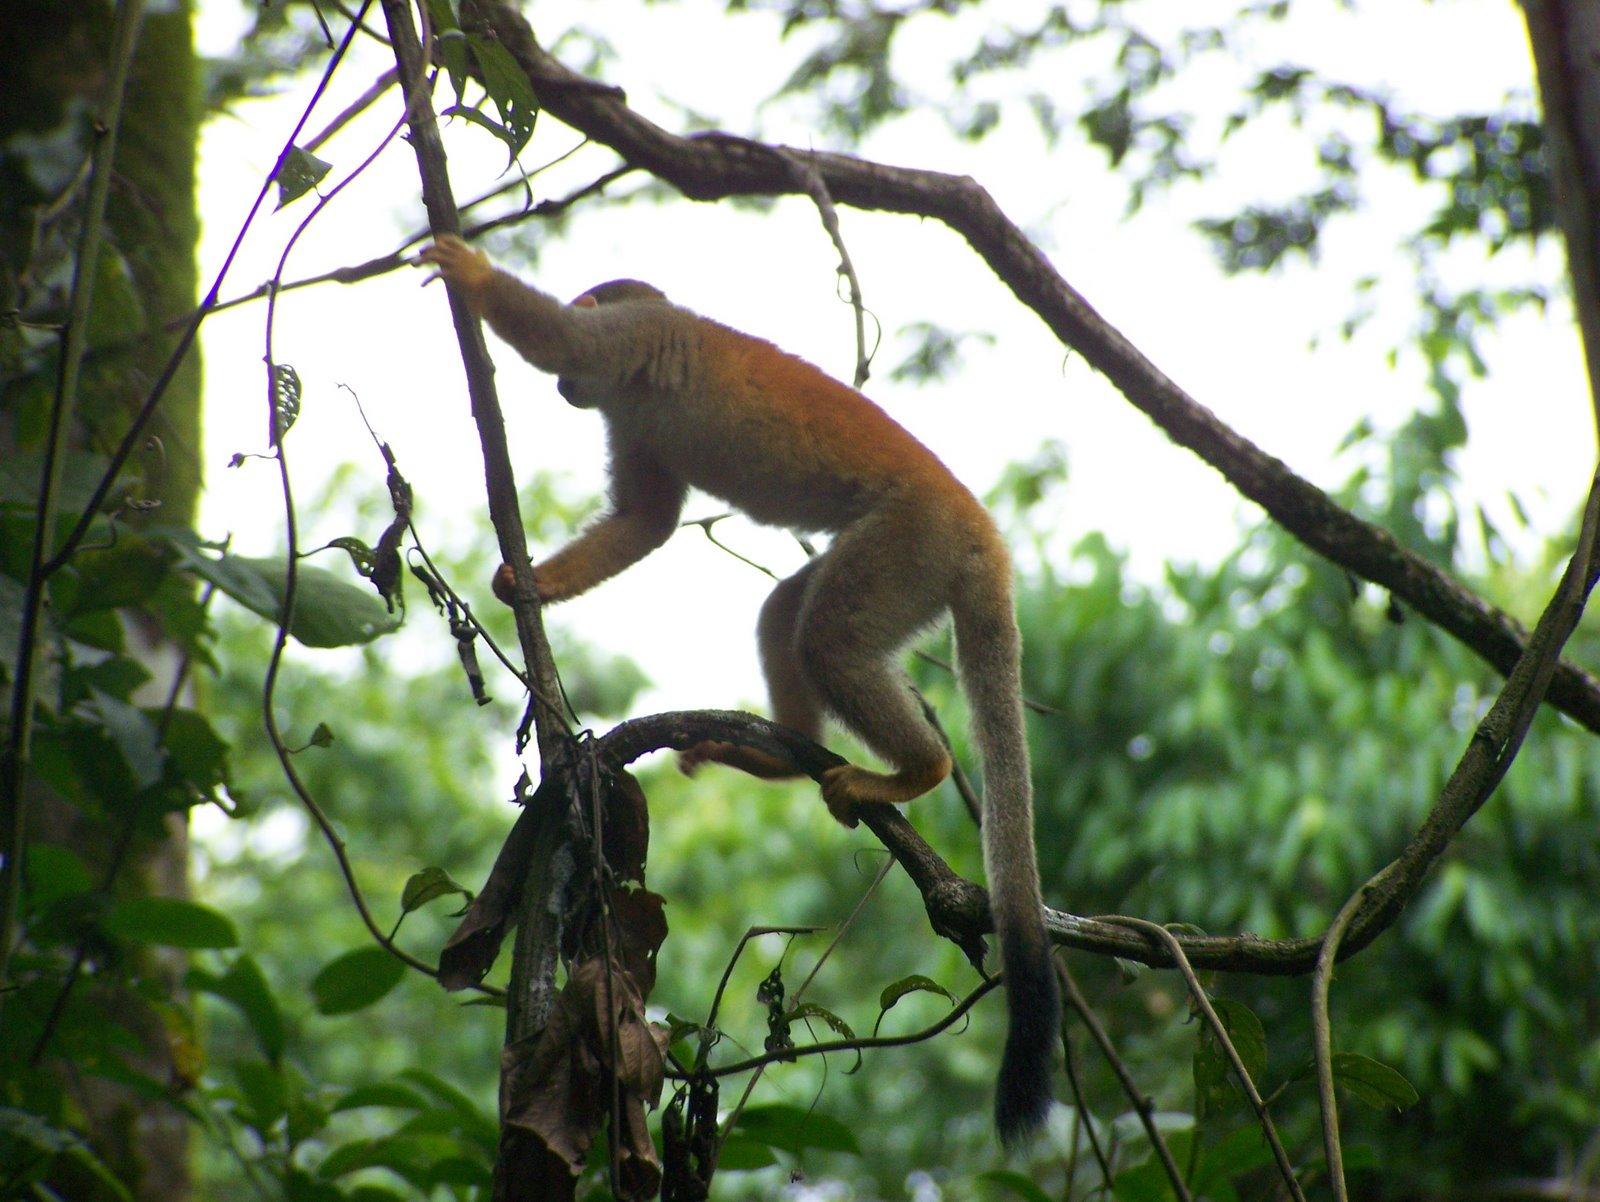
(55, 59)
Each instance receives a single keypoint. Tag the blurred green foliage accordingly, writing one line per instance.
(1235, 746)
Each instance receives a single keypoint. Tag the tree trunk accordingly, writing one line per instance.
(56, 58)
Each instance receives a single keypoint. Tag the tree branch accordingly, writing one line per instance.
(713, 166)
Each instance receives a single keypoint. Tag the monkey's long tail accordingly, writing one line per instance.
(989, 652)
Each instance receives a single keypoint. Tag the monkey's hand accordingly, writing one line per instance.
(466, 270)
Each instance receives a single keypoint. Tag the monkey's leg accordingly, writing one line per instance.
(794, 702)
(883, 580)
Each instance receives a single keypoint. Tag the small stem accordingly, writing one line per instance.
(1322, 1038)
(1141, 1104)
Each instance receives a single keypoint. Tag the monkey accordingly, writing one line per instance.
(688, 402)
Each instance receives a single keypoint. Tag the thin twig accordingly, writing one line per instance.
(1322, 1039)
(958, 774)
(1081, 1118)
(599, 879)
(291, 580)
(504, 510)
(158, 390)
(812, 183)
(1203, 1003)
(557, 712)
(794, 1000)
(706, 524)
(862, 1043)
(355, 108)
(354, 273)
(1140, 1103)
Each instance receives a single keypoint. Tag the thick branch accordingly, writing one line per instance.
(957, 908)
(501, 482)
(713, 166)
(1563, 34)
(533, 970)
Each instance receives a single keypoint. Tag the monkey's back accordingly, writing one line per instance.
(784, 441)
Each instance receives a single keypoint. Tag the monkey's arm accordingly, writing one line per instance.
(646, 500)
(554, 337)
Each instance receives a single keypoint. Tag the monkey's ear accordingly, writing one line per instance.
(586, 301)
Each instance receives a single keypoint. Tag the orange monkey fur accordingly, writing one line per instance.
(689, 402)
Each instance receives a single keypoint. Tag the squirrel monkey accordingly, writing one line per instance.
(687, 401)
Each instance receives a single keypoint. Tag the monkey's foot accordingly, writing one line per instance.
(746, 759)
(707, 751)
(846, 787)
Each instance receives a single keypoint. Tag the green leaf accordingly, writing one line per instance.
(355, 980)
(807, 1010)
(1372, 1082)
(741, 1153)
(912, 984)
(131, 731)
(381, 1093)
(299, 172)
(423, 887)
(794, 1129)
(374, 1193)
(1014, 1184)
(80, 476)
(31, 1129)
(361, 555)
(55, 872)
(1215, 1085)
(171, 922)
(301, 1187)
(328, 611)
(265, 1095)
(1148, 1180)
(509, 90)
(321, 736)
(1242, 1150)
(245, 987)
(477, 1125)
(195, 752)
(422, 1159)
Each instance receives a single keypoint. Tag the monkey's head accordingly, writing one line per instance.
(611, 292)
(618, 290)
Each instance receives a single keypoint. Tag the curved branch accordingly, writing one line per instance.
(713, 166)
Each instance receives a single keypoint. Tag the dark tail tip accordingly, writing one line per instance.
(1024, 1091)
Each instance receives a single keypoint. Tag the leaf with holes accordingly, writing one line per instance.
(286, 392)
(509, 90)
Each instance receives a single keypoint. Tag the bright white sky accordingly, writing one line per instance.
(1240, 346)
